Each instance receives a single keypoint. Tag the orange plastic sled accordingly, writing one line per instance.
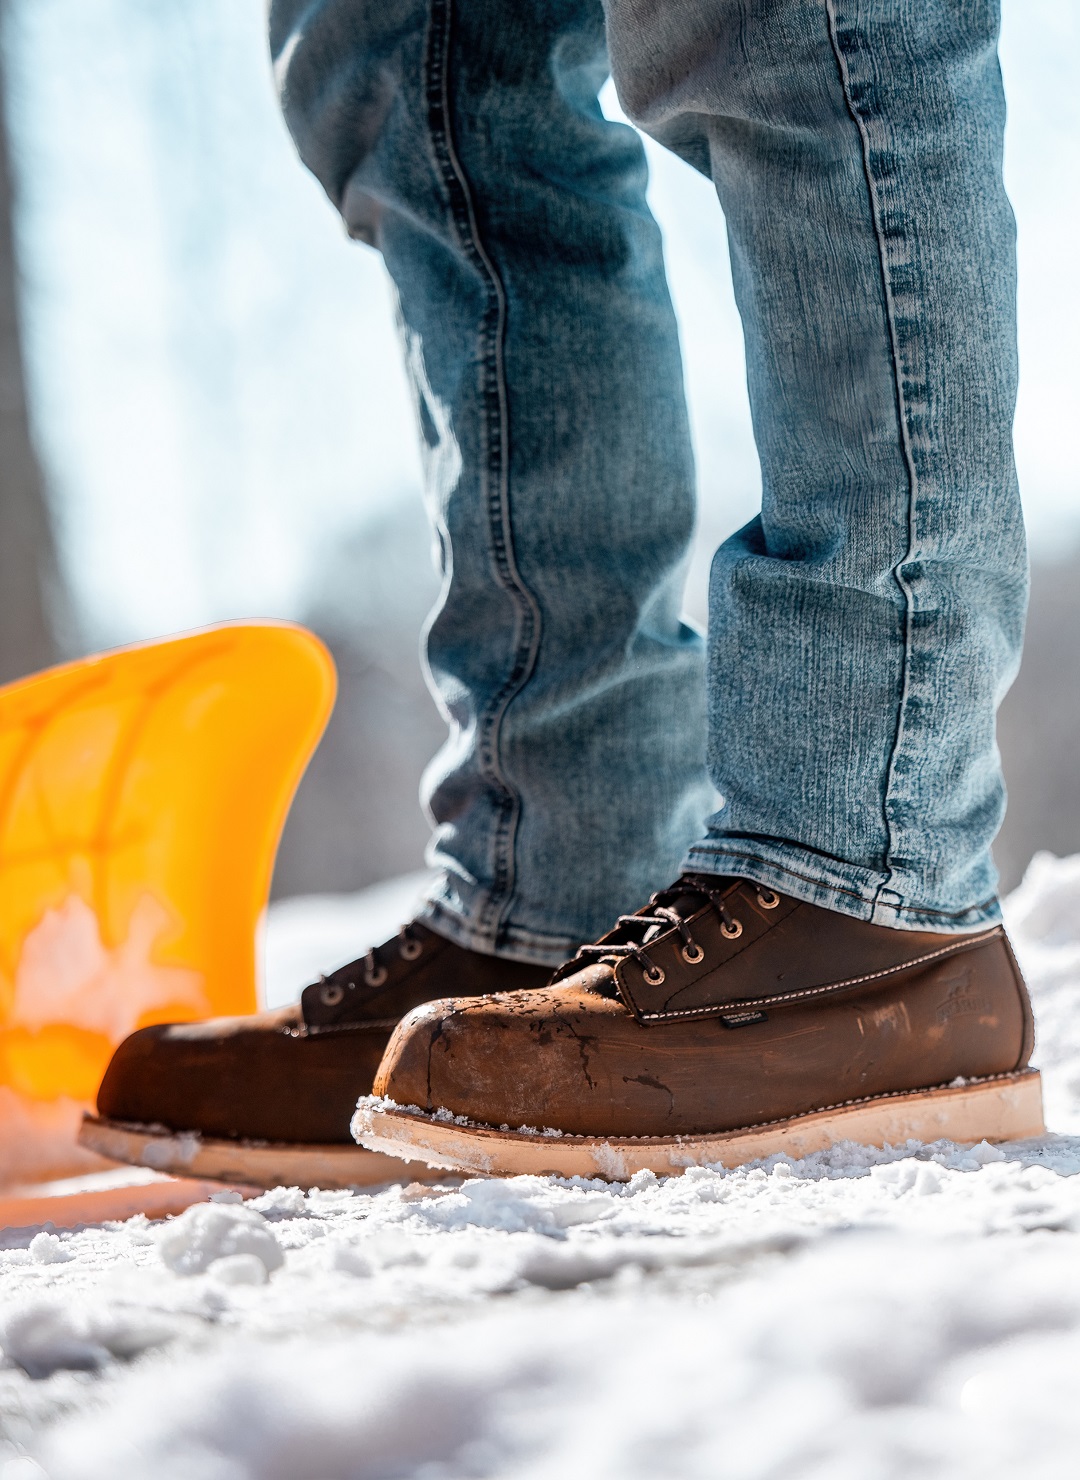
(142, 795)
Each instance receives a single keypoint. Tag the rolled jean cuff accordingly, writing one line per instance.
(445, 917)
(859, 893)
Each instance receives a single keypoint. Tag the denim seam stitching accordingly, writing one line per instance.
(905, 439)
(909, 909)
(495, 420)
(795, 873)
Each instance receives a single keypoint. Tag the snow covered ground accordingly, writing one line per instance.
(855, 1316)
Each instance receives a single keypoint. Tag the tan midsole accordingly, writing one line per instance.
(1007, 1107)
(248, 1165)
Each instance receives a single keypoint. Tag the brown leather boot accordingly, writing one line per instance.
(722, 1023)
(189, 1098)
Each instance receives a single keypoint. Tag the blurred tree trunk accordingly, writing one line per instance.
(29, 582)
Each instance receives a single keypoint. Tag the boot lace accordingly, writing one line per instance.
(665, 911)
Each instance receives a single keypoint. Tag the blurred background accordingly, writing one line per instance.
(203, 414)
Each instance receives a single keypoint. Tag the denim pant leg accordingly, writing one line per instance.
(864, 629)
(464, 139)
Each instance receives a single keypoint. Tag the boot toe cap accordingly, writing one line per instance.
(404, 1075)
(168, 1073)
(138, 1073)
(505, 1057)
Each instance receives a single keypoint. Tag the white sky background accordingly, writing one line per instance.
(214, 371)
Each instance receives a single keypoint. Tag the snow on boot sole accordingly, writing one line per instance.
(250, 1164)
(1004, 1107)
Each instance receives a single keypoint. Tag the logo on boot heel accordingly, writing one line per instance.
(961, 999)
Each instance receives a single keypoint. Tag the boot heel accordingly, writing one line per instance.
(1005, 1107)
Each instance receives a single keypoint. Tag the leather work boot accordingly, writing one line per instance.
(191, 1098)
(722, 1023)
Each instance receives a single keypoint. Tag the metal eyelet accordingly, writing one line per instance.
(375, 978)
(409, 948)
(732, 931)
(654, 976)
(767, 899)
(331, 994)
(692, 953)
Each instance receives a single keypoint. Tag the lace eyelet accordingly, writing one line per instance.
(409, 948)
(692, 953)
(654, 976)
(767, 899)
(375, 978)
(331, 994)
(732, 931)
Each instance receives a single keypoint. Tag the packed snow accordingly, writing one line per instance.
(858, 1315)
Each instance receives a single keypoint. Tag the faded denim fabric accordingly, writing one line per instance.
(466, 141)
(865, 627)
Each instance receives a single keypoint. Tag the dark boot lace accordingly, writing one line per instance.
(333, 989)
(665, 911)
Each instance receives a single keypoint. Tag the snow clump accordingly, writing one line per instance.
(218, 1232)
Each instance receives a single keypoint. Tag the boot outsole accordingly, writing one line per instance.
(158, 1199)
(1005, 1107)
(254, 1165)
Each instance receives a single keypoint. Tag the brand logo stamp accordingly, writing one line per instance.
(961, 999)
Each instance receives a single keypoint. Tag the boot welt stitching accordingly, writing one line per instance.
(747, 1004)
(313, 1029)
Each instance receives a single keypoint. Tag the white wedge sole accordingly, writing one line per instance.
(246, 1163)
(1006, 1107)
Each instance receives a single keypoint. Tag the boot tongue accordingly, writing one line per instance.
(685, 897)
(686, 902)
(684, 905)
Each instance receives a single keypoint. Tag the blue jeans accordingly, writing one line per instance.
(864, 627)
